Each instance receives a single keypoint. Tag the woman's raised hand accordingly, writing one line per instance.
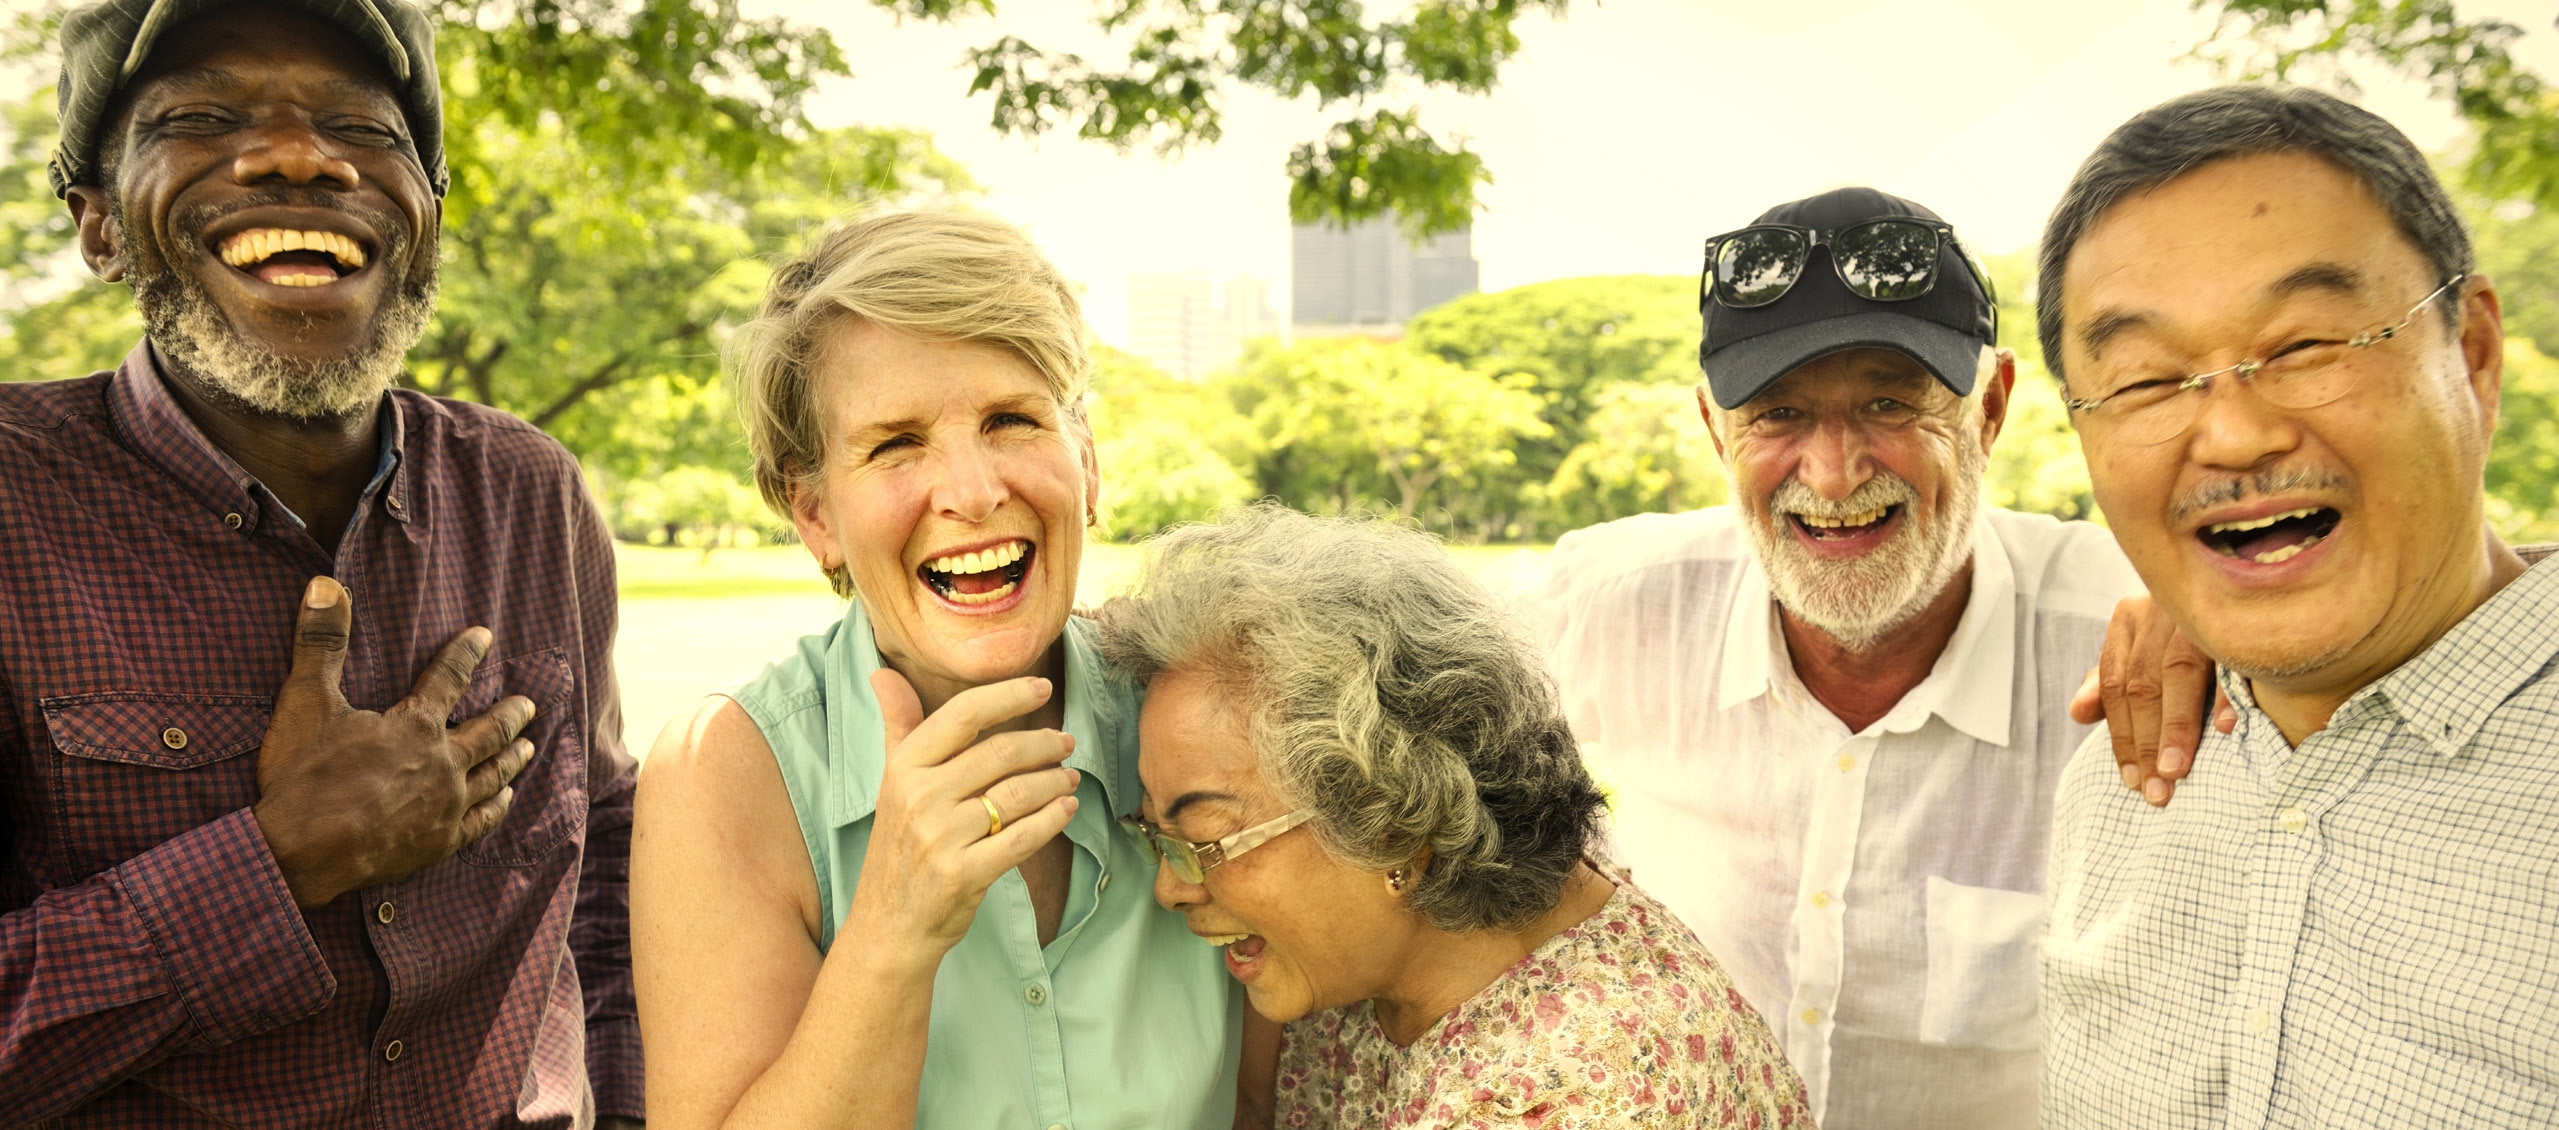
(935, 845)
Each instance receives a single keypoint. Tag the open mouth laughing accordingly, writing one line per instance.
(1825, 528)
(2271, 539)
(288, 257)
(981, 576)
(1242, 950)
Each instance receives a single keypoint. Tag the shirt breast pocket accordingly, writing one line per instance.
(550, 792)
(139, 768)
(1982, 945)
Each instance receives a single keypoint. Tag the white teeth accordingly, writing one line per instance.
(2287, 553)
(259, 244)
(982, 560)
(987, 597)
(2258, 523)
(1223, 939)
(1867, 518)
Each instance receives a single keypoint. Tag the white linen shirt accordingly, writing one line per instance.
(1876, 896)
(2362, 931)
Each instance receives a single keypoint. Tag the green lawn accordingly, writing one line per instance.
(695, 623)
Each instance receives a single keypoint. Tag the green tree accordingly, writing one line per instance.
(1575, 338)
(1170, 450)
(2036, 464)
(1183, 55)
(1342, 423)
(1646, 449)
(622, 170)
(2514, 114)
(2523, 459)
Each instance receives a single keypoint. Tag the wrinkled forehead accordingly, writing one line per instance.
(1195, 746)
(2232, 238)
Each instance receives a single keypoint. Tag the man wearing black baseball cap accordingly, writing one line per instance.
(1833, 710)
(268, 858)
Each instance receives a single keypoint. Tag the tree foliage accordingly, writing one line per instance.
(623, 171)
(1183, 55)
(2523, 458)
(2514, 113)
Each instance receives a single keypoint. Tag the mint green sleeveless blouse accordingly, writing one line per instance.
(1125, 1021)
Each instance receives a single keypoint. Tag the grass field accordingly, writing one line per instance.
(694, 624)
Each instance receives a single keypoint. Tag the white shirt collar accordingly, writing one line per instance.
(1972, 686)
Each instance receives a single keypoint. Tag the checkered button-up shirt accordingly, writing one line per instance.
(2359, 932)
(154, 970)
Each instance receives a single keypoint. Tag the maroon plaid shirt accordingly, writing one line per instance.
(153, 968)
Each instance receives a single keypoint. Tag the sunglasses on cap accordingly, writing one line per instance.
(1883, 260)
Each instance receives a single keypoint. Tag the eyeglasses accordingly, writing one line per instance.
(1192, 861)
(2305, 374)
(1887, 260)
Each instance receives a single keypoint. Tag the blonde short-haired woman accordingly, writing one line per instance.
(880, 885)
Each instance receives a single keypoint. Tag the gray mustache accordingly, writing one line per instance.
(1885, 489)
(2233, 488)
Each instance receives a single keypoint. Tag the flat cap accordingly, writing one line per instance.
(105, 44)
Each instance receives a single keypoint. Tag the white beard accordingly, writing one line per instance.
(1859, 602)
(184, 321)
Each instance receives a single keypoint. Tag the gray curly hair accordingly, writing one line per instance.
(1386, 693)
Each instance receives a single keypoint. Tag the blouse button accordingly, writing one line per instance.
(1812, 1016)
(174, 738)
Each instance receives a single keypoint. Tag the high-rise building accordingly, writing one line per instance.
(1179, 323)
(1247, 303)
(1371, 278)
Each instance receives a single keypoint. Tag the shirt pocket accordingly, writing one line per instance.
(1982, 945)
(139, 768)
(2399, 1082)
(550, 792)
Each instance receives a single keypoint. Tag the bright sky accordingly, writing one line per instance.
(1621, 136)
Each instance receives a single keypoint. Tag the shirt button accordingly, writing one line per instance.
(1846, 763)
(174, 738)
(1057, 1126)
(1104, 885)
(2293, 819)
(1821, 900)
(391, 1052)
(1812, 1016)
(382, 913)
(232, 519)
(2259, 1020)
(395, 502)
(1035, 994)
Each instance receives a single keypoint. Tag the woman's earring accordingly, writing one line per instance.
(1395, 880)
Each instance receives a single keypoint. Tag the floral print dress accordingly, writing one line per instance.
(1621, 1021)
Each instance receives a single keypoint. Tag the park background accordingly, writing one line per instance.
(626, 172)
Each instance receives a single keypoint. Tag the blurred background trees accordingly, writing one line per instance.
(626, 170)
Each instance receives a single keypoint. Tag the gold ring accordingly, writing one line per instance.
(994, 815)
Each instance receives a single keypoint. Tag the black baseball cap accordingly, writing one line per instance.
(1746, 350)
(104, 44)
